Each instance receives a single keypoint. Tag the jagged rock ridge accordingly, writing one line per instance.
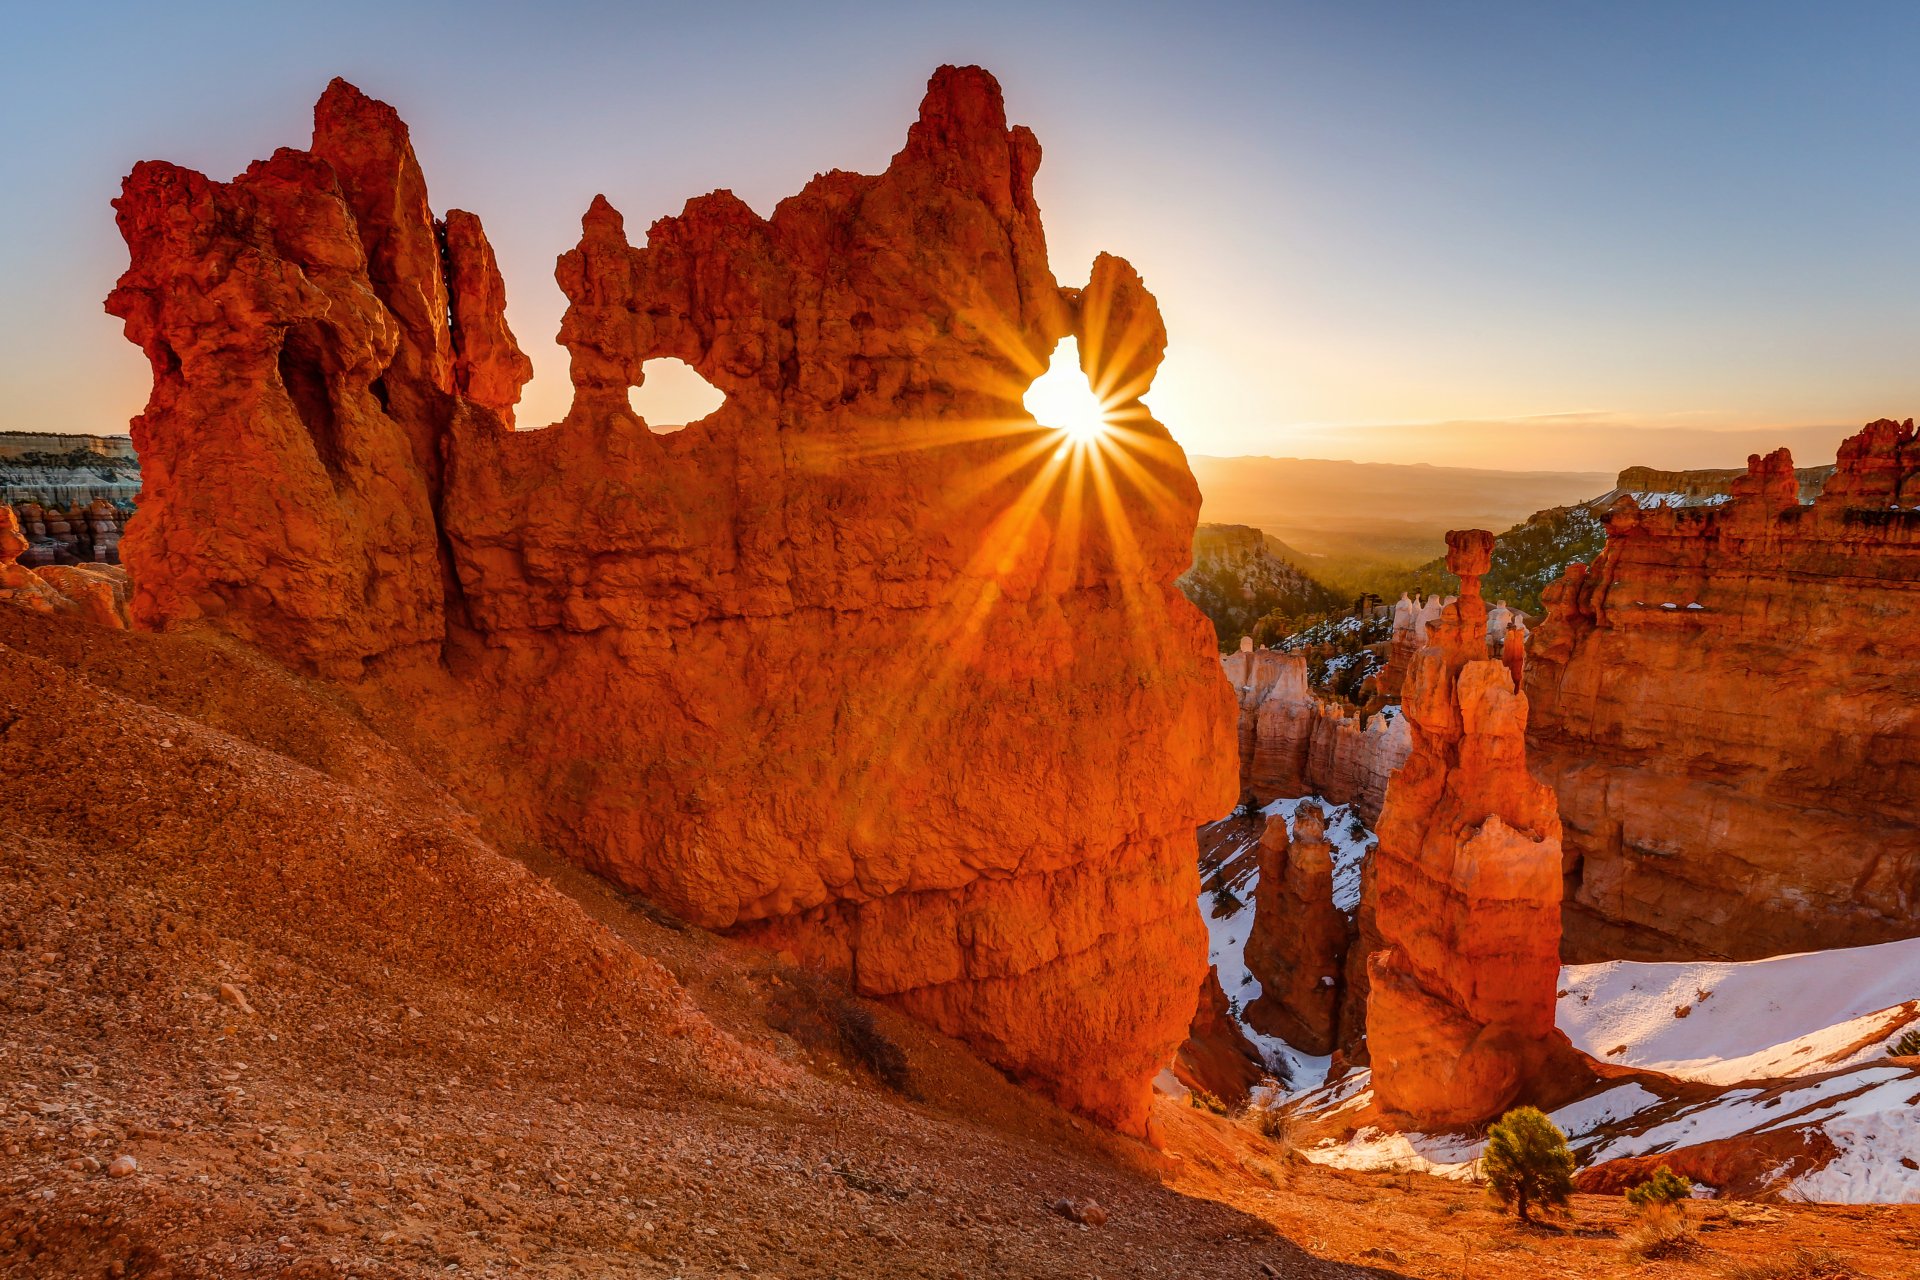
(800, 671)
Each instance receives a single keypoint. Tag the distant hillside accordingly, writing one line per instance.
(1360, 526)
(1534, 553)
(1241, 575)
(63, 470)
(1526, 558)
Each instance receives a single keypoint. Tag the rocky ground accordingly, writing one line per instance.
(274, 1005)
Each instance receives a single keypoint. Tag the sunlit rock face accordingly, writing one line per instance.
(1465, 888)
(1293, 742)
(865, 665)
(1725, 703)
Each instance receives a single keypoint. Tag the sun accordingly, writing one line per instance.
(1061, 399)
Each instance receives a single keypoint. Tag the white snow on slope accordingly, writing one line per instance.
(1872, 1115)
(1227, 928)
(1453, 1155)
(1227, 932)
(1349, 837)
(1761, 1019)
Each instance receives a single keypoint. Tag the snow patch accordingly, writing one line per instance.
(1758, 1020)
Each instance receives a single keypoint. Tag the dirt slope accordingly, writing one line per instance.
(245, 944)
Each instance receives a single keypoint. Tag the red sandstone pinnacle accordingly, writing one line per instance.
(1465, 892)
(839, 671)
(1298, 942)
(1724, 703)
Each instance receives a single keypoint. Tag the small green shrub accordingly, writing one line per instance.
(1664, 1187)
(1527, 1162)
(1907, 1046)
(1201, 1100)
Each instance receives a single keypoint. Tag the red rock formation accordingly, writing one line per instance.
(1298, 942)
(1293, 742)
(1216, 1056)
(855, 669)
(1466, 886)
(91, 592)
(1724, 703)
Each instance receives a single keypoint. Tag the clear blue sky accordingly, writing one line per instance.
(1519, 234)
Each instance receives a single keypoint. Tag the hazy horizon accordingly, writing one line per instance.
(1498, 236)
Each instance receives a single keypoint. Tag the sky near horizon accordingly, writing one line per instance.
(1526, 236)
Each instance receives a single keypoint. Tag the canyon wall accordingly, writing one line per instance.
(1727, 702)
(865, 666)
(1462, 929)
(1293, 742)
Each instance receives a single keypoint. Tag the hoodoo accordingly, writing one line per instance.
(1725, 703)
(800, 671)
(1466, 885)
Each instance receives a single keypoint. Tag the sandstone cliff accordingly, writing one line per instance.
(1293, 742)
(1727, 703)
(806, 670)
(1465, 886)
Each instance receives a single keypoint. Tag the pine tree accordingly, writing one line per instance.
(1527, 1162)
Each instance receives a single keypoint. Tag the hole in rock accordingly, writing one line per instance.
(672, 394)
(304, 376)
(1062, 398)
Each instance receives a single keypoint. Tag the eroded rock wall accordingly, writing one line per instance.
(1294, 742)
(1727, 703)
(866, 665)
(1298, 944)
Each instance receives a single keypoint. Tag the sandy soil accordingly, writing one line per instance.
(338, 1032)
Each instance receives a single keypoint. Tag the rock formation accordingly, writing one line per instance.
(1216, 1056)
(84, 533)
(1293, 742)
(1725, 703)
(808, 671)
(1298, 943)
(1465, 891)
(1650, 487)
(1411, 620)
(98, 594)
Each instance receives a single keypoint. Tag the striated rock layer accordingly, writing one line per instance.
(1465, 888)
(1727, 703)
(805, 670)
(1293, 742)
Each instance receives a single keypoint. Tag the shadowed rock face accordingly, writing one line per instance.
(865, 665)
(1725, 704)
